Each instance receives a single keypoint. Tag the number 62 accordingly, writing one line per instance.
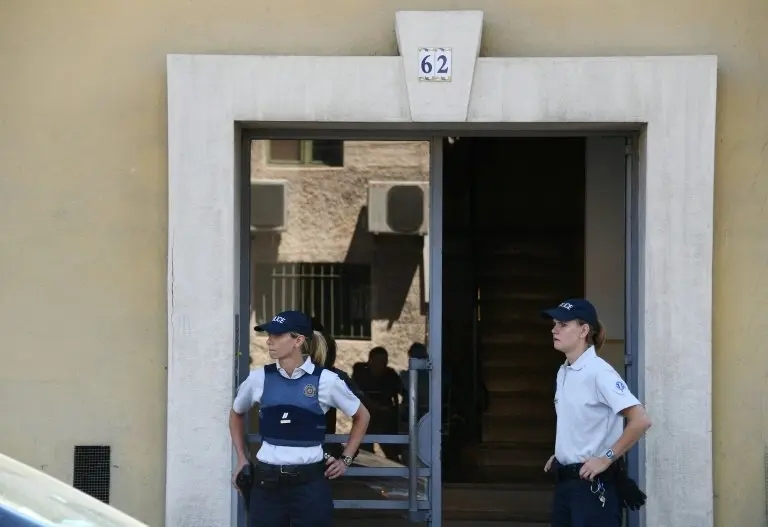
(429, 60)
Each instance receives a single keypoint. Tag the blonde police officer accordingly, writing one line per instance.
(591, 401)
(289, 483)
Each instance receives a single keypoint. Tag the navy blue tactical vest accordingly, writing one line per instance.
(290, 413)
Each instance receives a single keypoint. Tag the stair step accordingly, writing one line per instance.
(536, 300)
(513, 338)
(470, 504)
(541, 372)
(510, 357)
(509, 368)
(517, 249)
(513, 301)
(504, 517)
(545, 420)
(513, 501)
(537, 424)
(532, 383)
(513, 406)
(493, 332)
(529, 309)
(512, 432)
(541, 436)
(495, 311)
(494, 523)
(540, 281)
(521, 475)
(528, 355)
(513, 322)
(506, 268)
(519, 383)
(403, 522)
(513, 454)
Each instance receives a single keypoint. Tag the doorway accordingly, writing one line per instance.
(515, 222)
(514, 232)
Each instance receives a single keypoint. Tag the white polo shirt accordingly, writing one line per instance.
(589, 397)
(333, 392)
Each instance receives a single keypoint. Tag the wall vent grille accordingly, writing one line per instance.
(92, 471)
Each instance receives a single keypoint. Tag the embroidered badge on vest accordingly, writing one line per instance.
(310, 390)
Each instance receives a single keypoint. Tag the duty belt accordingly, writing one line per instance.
(571, 471)
(267, 475)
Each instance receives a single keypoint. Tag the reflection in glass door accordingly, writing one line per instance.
(339, 229)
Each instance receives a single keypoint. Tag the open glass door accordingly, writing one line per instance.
(612, 265)
(350, 231)
(633, 364)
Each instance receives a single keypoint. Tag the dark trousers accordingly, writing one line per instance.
(303, 505)
(575, 505)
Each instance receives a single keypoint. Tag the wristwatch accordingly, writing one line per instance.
(609, 454)
(347, 460)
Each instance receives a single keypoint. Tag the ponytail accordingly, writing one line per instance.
(316, 348)
(598, 336)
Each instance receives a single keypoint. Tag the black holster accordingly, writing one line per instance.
(629, 493)
(244, 482)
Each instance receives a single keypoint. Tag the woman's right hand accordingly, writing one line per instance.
(548, 464)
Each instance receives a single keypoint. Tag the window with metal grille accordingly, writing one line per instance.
(92, 471)
(326, 152)
(336, 294)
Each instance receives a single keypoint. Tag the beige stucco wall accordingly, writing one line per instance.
(83, 203)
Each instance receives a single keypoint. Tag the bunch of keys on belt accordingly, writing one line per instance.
(600, 490)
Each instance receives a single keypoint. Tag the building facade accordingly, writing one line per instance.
(366, 288)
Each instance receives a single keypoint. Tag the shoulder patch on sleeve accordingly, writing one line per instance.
(609, 378)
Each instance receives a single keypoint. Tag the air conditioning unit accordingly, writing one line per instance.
(398, 207)
(268, 204)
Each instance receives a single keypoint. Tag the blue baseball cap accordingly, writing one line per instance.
(288, 322)
(572, 309)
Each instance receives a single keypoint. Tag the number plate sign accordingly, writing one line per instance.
(435, 64)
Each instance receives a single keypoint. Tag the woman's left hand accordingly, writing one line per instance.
(593, 467)
(334, 468)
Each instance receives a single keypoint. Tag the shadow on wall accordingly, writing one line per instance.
(394, 261)
(264, 249)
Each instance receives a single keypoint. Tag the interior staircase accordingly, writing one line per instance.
(470, 505)
(528, 249)
(521, 276)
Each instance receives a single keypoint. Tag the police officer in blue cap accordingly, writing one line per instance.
(290, 474)
(591, 401)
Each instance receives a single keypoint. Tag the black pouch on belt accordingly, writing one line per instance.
(629, 493)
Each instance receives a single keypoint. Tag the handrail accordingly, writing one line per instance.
(391, 439)
(413, 437)
(414, 366)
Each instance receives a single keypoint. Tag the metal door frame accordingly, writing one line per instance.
(633, 357)
(430, 510)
